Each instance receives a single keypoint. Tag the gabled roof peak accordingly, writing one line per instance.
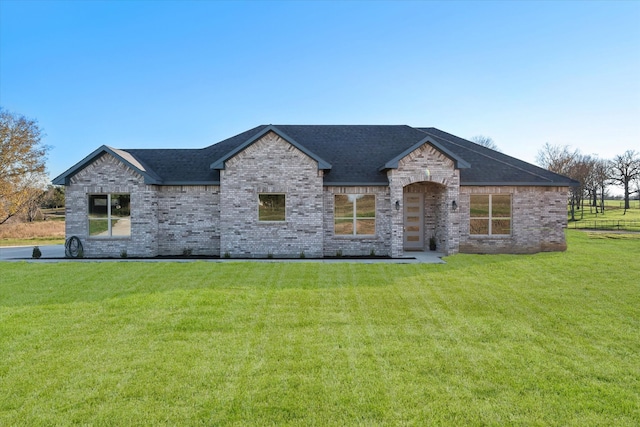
(150, 177)
(219, 163)
(459, 163)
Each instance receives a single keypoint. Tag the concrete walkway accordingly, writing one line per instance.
(55, 253)
(428, 257)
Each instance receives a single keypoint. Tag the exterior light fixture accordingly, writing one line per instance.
(397, 205)
(454, 205)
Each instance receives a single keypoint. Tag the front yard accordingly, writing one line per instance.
(548, 339)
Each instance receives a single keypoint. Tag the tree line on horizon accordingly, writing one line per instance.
(593, 175)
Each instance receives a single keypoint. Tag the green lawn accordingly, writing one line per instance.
(613, 218)
(548, 339)
(612, 211)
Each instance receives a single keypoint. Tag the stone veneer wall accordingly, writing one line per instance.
(271, 165)
(358, 245)
(189, 219)
(413, 169)
(539, 217)
(108, 175)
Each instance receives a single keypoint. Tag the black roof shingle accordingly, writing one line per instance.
(356, 155)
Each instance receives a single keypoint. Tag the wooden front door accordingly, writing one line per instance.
(413, 221)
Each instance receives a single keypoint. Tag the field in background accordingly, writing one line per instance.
(53, 214)
(614, 217)
(546, 339)
(48, 232)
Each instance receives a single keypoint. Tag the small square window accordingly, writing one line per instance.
(271, 207)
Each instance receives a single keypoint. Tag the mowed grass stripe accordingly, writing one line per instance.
(548, 339)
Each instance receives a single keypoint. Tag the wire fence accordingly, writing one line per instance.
(603, 224)
(633, 204)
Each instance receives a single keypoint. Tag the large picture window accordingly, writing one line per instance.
(490, 214)
(109, 215)
(271, 207)
(355, 214)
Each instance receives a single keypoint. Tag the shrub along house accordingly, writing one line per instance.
(318, 190)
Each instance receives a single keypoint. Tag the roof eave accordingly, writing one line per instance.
(190, 183)
(516, 184)
(355, 184)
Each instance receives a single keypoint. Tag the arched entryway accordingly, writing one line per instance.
(434, 175)
(425, 216)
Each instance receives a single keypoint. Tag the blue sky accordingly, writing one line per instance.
(164, 74)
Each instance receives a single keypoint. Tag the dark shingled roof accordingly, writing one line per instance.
(492, 167)
(355, 154)
(189, 166)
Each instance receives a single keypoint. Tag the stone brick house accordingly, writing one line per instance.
(286, 190)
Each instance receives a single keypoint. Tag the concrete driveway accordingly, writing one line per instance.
(8, 253)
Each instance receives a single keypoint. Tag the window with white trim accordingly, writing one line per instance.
(354, 214)
(490, 214)
(109, 215)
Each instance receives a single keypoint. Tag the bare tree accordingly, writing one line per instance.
(485, 141)
(22, 163)
(583, 172)
(601, 174)
(561, 160)
(556, 158)
(591, 185)
(32, 209)
(624, 169)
